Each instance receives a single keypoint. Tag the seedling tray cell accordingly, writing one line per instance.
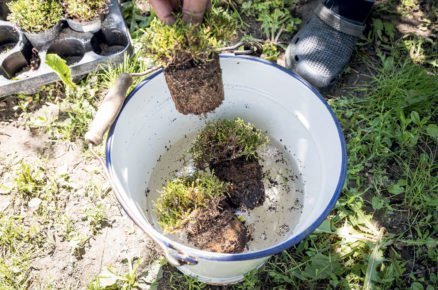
(83, 51)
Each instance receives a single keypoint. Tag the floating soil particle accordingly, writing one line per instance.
(217, 230)
(245, 176)
(196, 88)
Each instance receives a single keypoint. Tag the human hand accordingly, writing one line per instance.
(193, 10)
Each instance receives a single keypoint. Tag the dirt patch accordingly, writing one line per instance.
(72, 254)
(245, 176)
(196, 88)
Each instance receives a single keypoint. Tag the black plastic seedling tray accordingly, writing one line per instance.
(22, 66)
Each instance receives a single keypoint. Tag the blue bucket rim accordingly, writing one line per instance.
(212, 256)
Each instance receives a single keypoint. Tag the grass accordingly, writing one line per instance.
(183, 196)
(24, 229)
(382, 232)
(111, 279)
(19, 244)
(37, 216)
(227, 139)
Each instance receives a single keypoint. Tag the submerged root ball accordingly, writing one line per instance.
(218, 232)
(245, 179)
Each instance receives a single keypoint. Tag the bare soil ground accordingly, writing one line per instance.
(75, 249)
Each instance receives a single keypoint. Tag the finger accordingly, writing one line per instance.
(193, 10)
(176, 4)
(164, 10)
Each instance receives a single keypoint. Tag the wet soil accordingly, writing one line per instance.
(245, 176)
(196, 88)
(217, 229)
(59, 261)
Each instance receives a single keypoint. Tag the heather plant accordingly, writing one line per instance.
(85, 10)
(227, 139)
(182, 197)
(35, 15)
(180, 43)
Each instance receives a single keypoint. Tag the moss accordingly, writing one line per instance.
(180, 43)
(182, 197)
(226, 140)
(35, 15)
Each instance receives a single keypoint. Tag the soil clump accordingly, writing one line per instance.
(196, 88)
(217, 229)
(245, 178)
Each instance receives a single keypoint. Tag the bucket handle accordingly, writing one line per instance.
(111, 105)
(108, 109)
(105, 116)
(178, 257)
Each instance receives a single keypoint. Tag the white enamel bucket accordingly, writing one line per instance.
(265, 94)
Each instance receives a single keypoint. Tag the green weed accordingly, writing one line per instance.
(110, 279)
(35, 210)
(275, 18)
(172, 279)
(79, 105)
(136, 19)
(390, 135)
(131, 64)
(60, 67)
(421, 50)
(30, 182)
(96, 217)
(77, 112)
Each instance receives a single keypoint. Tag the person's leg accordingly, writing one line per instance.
(355, 10)
(324, 45)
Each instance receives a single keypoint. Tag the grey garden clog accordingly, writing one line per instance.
(322, 48)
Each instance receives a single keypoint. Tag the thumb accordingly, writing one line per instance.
(164, 10)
